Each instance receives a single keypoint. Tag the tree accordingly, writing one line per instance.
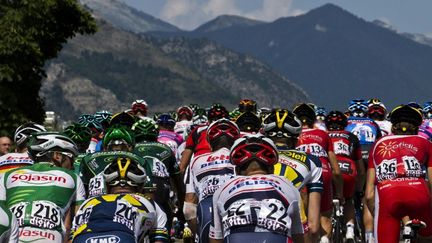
(32, 32)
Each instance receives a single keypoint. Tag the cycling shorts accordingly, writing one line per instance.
(112, 236)
(349, 174)
(365, 149)
(327, 195)
(32, 234)
(204, 217)
(257, 237)
(397, 199)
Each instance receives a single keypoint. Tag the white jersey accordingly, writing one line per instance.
(8, 226)
(183, 128)
(208, 171)
(385, 127)
(13, 160)
(261, 203)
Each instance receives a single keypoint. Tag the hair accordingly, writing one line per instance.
(404, 128)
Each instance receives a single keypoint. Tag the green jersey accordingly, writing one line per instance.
(160, 151)
(93, 165)
(40, 195)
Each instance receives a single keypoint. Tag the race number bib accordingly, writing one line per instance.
(314, 149)
(96, 186)
(19, 210)
(273, 216)
(45, 214)
(341, 148)
(125, 214)
(159, 169)
(412, 166)
(386, 170)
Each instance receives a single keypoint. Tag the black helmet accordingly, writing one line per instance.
(282, 123)
(406, 113)
(305, 112)
(248, 122)
(336, 120)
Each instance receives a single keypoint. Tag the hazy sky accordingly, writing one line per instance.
(413, 16)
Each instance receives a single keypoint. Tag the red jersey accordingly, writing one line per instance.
(345, 145)
(197, 141)
(400, 156)
(316, 142)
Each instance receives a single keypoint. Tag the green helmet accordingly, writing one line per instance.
(145, 130)
(78, 133)
(118, 133)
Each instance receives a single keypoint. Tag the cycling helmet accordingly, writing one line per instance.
(103, 117)
(415, 105)
(234, 114)
(320, 113)
(166, 120)
(254, 147)
(217, 111)
(427, 110)
(248, 122)
(145, 130)
(23, 132)
(44, 142)
(90, 122)
(118, 135)
(124, 171)
(194, 107)
(139, 106)
(247, 105)
(406, 113)
(78, 133)
(377, 111)
(122, 119)
(222, 128)
(282, 123)
(306, 113)
(83, 118)
(200, 118)
(336, 120)
(358, 108)
(263, 112)
(185, 111)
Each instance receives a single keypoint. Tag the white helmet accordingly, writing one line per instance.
(42, 143)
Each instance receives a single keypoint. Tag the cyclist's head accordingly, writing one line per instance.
(376, 110)
(306, 114)
(263, 112)
(103, 117)
(124, 175)
(23, 132)
(184, 113)
(222, 133)
(282, 126)
(200, 118)
(52, 147)
(139, 107)
(145, 131)
(405, 120)
(234, 114)
(166, 122)
(358, 108)
(247, 105)
(248, 122)
(122, 119)
(427, 110)
(336, 121)
(118, 138)
(217, 111)
(254, 153)
(415, 105)
(80, 134)
(90, 122)
(320, 113)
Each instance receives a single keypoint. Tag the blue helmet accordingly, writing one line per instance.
(166, 120)
(320, 111)
(427, 109)
(358, 108)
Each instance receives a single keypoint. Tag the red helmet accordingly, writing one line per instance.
(217, 111)
(139, 106)
(222, 127)
(252, 147)
(377, 109)
(185, 110)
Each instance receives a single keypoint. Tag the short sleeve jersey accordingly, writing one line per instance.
(208, 171)
(398, 156)
(160, 151)
(40, 195)
(345, 145)
(300, 168)
(262, 203)
(129, 213)
(316, 142)
(366, 129)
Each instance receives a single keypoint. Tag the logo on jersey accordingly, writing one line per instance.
(216, 160)
(103, 239)
(33, 233)
(38, 179)
(295, 155)
(389, 148)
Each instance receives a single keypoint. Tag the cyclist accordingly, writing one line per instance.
(139, 109)
(378, 112)
(321, 114)
(146, 134)
(89, 121)
(103, 117)
(81, 136)
(166, 132)
(255, 205)
(41, 195)
(184, 121)
(206, 173)
(196, 142)
(8, 225)
(248, 122)
(395, 174)
(348, 153)
(20, 157)
(123, 215)
(302, 169)
(367, 131)
(247, 105)
(317, 142)
(425, 129)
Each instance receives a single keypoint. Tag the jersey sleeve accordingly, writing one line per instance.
(159, 231)
(216, 223)
(329, 142)
(191, 139)
(2, 187)
(316, 183)
(80, 195)
(189, 181)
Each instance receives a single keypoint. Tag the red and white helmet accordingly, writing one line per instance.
(254, 147)
(185, 111)
(139, 106)
(222, 127)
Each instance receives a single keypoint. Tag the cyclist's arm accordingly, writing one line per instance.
(185, 159)
(159, 233)
(370, 189)
(68, 224)
(314, 203)
(337, 176)
(361, 175)
(215, 232)
(429, 170)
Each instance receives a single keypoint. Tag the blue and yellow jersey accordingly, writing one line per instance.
(129, 213)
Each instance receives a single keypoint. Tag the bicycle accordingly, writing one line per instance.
(415, 225)
(337, 222)
(359, 226)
